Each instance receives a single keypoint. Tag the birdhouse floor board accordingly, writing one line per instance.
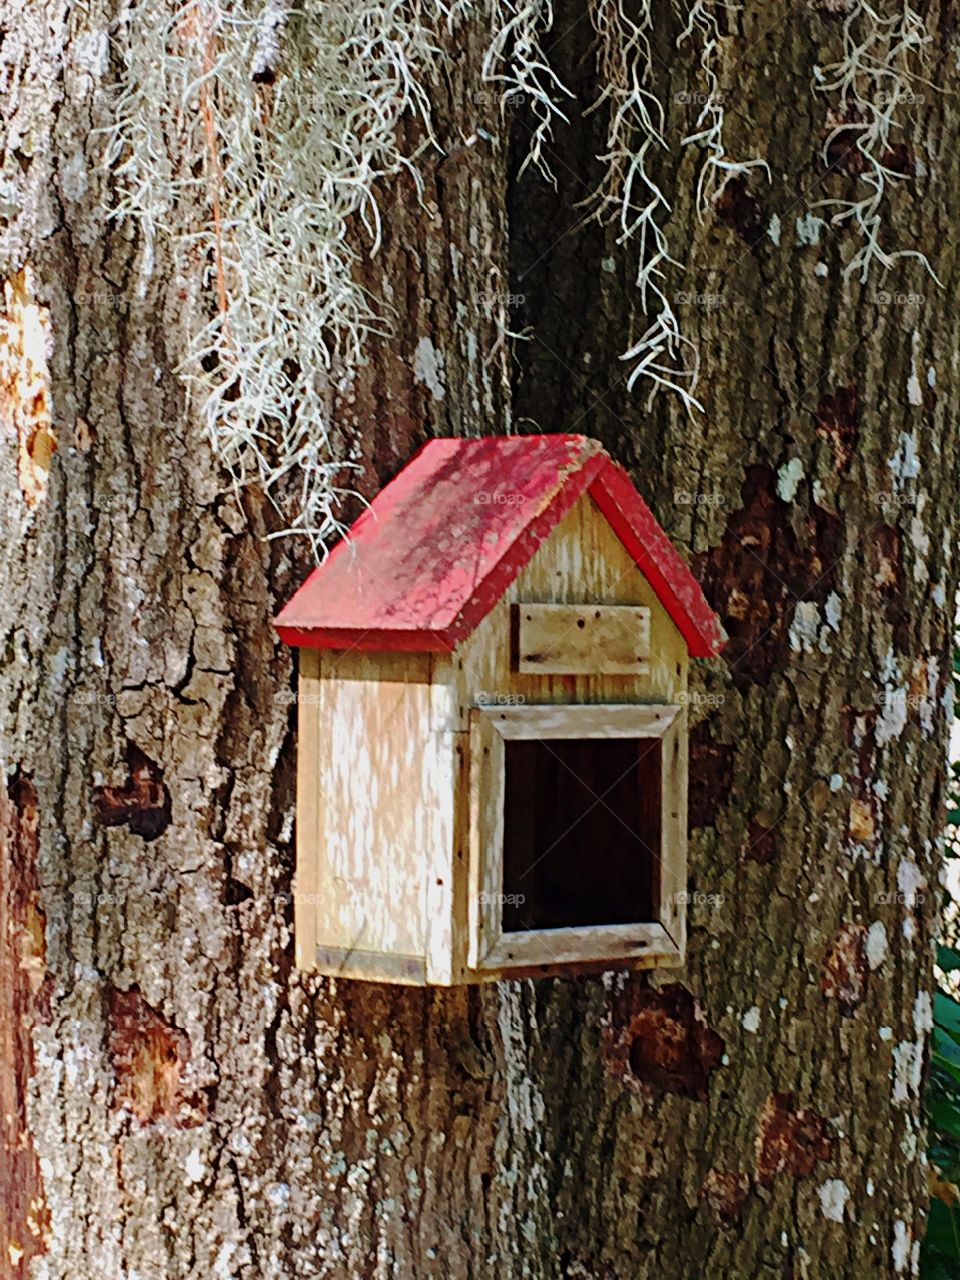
(562, 946)
(374, 966)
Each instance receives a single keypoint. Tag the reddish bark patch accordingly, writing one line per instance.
(761, 843)
(661, 1039)
(841, 133)
(789, 1139)
(142, 803)
(25, 382)
(860, 730)
(149, 1056)
(710, 776)
(725, 1194)
(761, 570)
(888, 579)
(836, 419)
(738, 209)
(899, 160)
(845, 968)
(24, 1217)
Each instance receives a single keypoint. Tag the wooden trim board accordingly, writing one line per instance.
(623, 720)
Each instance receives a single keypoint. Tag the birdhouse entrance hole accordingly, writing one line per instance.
(581, 832)
(577, 839)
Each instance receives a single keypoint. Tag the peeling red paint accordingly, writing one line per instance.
(725, 1194)
(845, 968)
(789, 1139)
(661, 1039)
(142, 803)
(150, 1056)
(24, 1217)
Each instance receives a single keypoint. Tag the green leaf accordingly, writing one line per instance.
(948, 958)
(945, 1117)
(952, 1069)
(943, 1229)
(934, 1266)
(946, 1011)
(953, 817)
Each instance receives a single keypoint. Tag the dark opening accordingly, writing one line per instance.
(581, 832)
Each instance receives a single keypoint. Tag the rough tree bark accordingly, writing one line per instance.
(176, 1101)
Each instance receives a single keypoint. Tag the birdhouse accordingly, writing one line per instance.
(492, 770)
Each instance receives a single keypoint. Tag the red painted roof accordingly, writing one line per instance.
(438, 547)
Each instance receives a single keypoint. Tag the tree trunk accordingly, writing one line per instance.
(176, 1100)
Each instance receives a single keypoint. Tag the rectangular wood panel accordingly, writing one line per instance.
(623, 720)
(568, 639)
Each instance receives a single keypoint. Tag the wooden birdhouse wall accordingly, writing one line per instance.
(376, 787)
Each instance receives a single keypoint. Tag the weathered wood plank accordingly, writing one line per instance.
(384, 785)
(306, 882)
(593, 943)
(623, 720)
(601, 639)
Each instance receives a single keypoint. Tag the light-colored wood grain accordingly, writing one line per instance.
(486, 836)
(371, 966)
(596, 943)
(673, 832)
(385, 795)
(592, 639)
(305, 883)
(438, 779)
(548, 950)
(621, 720)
